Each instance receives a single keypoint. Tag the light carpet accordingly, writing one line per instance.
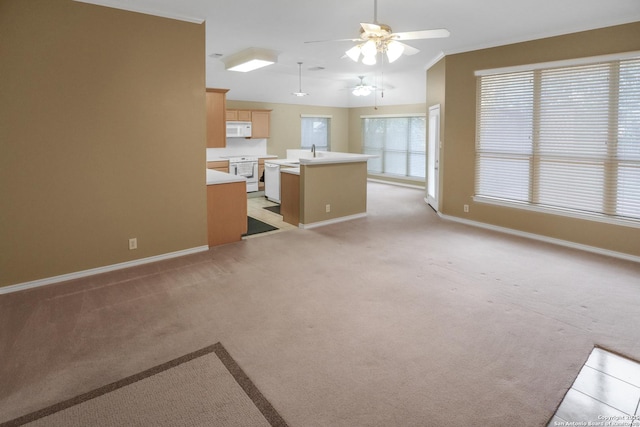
(203, 388)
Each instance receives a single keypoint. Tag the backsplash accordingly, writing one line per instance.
(237, 147)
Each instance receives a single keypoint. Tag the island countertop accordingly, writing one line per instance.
(292, 171)
(327, 157)
(217, 177)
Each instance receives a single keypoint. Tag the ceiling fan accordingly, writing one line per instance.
(362, 89)
(379, 38)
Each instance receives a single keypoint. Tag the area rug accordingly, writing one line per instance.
(255, 226)
(205, 388)
(274, 209)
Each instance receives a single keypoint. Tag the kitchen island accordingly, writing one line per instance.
(331, 187)
(226, 207)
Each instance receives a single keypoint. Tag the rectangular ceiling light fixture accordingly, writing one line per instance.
(250, 59)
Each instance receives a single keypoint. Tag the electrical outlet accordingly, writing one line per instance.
(133, 243)
(466, 208)
(327, 208)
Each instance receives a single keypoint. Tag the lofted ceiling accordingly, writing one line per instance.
(285, 25)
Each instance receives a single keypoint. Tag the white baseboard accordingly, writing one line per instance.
(332, 221)
(99, 270)
(539, 237)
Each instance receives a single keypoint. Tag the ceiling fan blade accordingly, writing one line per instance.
(408, 50)
(371, 28)
(336, 40)
(423, 34)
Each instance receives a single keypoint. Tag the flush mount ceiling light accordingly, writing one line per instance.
(250, 59)
(300, 92)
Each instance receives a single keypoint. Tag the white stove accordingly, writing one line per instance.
(238, 159)
(246, 166)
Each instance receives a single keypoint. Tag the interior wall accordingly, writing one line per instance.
(436, 78)
(343, 186)
(285, 124)
(458, 152)
(102, 137)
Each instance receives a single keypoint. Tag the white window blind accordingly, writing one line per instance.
(564, 138)
(399, 143)
(316, 131)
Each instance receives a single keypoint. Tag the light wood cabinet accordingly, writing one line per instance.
(260, 121)
(216, 123)
(226, 212)
(290, 198)
(219, 165)
(260, 124)
(238, 115)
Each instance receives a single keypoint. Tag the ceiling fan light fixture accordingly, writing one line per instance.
(394, 50)
(369, 48)
(361, 91)
(250, 59)
(369, 60)
(354, 52)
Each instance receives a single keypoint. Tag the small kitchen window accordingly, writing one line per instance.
(316, 130)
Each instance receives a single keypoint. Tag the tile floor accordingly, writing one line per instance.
(256, 203)
(605, 393)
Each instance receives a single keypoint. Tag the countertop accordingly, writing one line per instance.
(283, 162)
(292, 171)
(257, 156)
(217, 177)
(327, 157)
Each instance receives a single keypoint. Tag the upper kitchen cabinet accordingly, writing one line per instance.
(260, 123)
(238, 115)
(216, 119)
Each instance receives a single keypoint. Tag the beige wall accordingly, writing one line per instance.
(102, 137)
(346, 129)
(285, 124)
(436, 96)
(458, 152)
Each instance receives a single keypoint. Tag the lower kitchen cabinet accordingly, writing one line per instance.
(219, 165)
(226, 212)
(290, 198)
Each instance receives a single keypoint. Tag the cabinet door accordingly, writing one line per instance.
(219, 165)
(216, 126)
(244, 115)
(260, 124)
(232, 115)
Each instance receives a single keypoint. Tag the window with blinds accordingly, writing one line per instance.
(315, 131)
(399, 143)
(565, 138)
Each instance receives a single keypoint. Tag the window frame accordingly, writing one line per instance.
(606, 215)
(316, 116)
(406, 152)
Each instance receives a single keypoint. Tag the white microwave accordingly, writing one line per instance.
(238, 129)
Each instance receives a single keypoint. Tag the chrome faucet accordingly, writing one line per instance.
(313, 149)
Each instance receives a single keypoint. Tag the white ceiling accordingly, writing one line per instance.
(284, 26)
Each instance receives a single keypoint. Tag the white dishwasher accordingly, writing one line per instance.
(272, 181)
